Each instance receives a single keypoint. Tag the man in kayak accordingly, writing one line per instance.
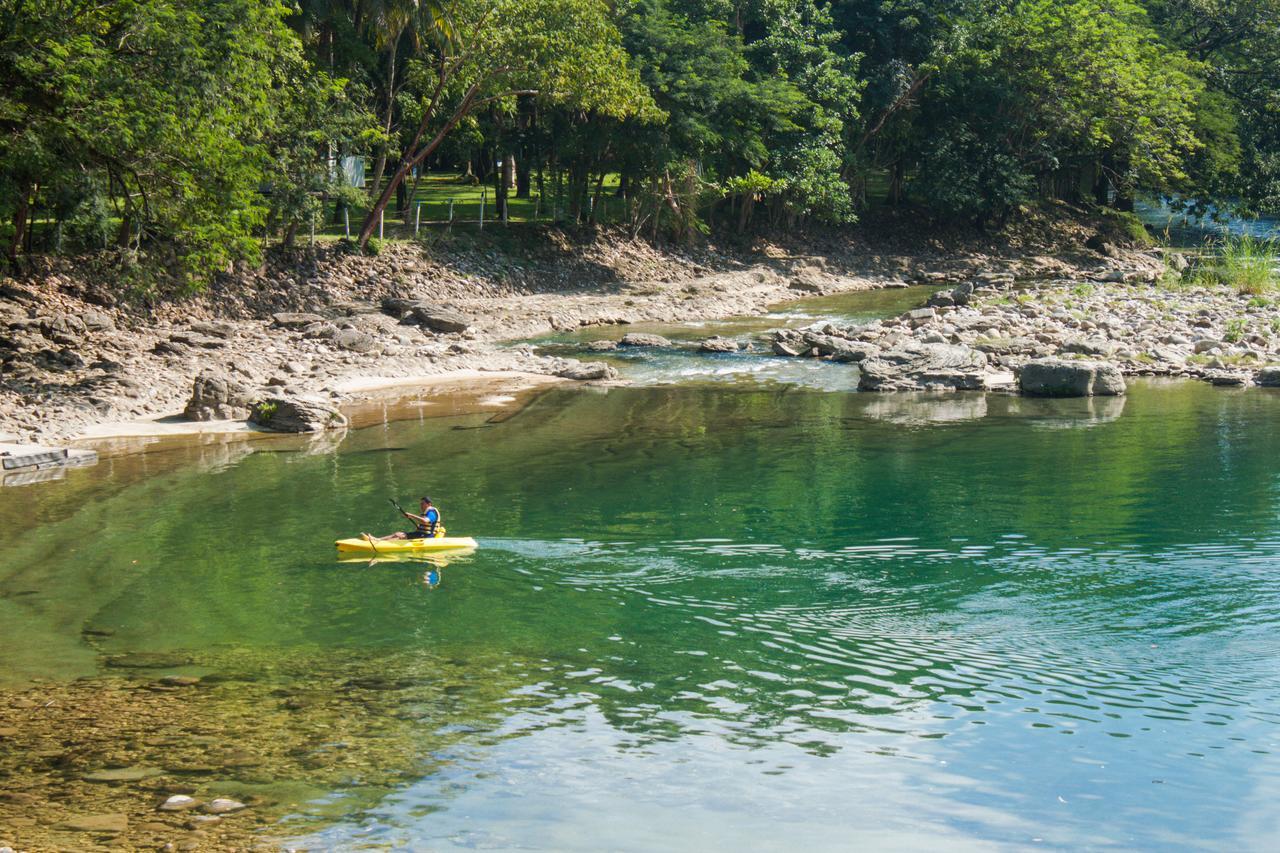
(427, 525)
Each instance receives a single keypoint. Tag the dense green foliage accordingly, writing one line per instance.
(192, 130)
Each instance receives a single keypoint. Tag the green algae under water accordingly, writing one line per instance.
(734, 616)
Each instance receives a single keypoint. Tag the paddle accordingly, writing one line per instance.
(399, 508)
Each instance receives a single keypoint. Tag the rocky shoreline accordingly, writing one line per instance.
(1062, 337)
(289, 345)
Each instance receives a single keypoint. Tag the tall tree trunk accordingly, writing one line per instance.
(380, 164)
(20, 221)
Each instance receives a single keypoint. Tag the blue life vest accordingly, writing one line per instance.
(432, 515)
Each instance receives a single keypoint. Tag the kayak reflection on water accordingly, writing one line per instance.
(433, 562)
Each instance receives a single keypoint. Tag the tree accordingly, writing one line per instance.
(564, 51)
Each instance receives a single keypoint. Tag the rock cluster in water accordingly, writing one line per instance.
(1062, 339)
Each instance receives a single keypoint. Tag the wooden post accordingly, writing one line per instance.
(484, 196)
(313, 232)
(450, 216)
(537, 206)
(346, 222)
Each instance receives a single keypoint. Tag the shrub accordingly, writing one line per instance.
(1244, 262)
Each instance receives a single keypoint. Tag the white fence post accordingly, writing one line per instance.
(346, 222)
(381, 216)
(417, 218)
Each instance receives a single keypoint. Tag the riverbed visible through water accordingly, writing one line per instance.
(748, 615)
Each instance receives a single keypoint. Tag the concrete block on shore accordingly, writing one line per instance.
(21, 464)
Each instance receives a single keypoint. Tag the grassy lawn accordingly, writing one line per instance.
(440, 194)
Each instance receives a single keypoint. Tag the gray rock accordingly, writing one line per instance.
(913, 366)
(179, 803)
(1169, 355)
(1228, 379)
(289, 320)
(1206, 345)
(214, 330)
(296, 414)
(354, 340)
(195, 339)
(223, 805)
(587, 371)
(216, 397)
(1268, 377)
(439, 319)
(65, 329)
(322, 329)
(805, 285)
(602, 346)
(788, 348)
(719, 344)
(639, 339)
(97, 321)
(397, 307)
(1057, 378)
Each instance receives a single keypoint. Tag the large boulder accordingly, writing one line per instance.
(65, 329)
(639, 339)
(1051, 377)
(216, 397)
(439, 319)
(296, 414)
(913, 366)
(587, 371)
(1268, 377)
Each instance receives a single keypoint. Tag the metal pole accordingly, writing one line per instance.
(417, 218)
(346, 222)
(313, 232)
(537, 206)
(484, 196)
(451, 215)
(381, 216)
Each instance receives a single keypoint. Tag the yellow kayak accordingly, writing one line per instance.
(406, 546)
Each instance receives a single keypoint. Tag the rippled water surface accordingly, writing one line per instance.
(734, 617)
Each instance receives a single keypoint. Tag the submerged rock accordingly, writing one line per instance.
(222, 805)
(296, 414)
(719, 344)
(1056, 378)
(122, 774)
(104, 823)
(178, 803)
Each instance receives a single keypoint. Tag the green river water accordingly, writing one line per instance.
(740, 616)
